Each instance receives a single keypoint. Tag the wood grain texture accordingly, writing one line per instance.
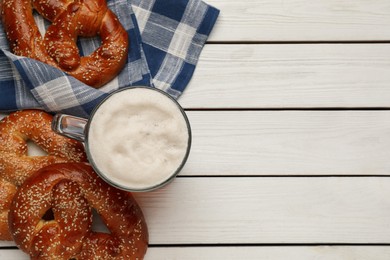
(270, 253)
(290, 75)
(289, 143)
(251, 253)
(268, 210)
(237, 143)
(301, 20)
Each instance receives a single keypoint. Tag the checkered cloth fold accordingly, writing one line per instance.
(166, 39)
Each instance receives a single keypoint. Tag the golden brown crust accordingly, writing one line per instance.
(35, 125)
(7, 192)
(75, 186)
(58, 48)
(15, 164)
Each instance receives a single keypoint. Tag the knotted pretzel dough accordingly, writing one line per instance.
(35, 125)
(70, 19)
(7, 192)
(70, 190)
(15, 164)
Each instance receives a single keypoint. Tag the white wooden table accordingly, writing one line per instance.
(290, 112)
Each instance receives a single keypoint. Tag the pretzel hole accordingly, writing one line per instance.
(87, 45)
(34, 150)
(41, 23)
(98, 224)
(49, 215)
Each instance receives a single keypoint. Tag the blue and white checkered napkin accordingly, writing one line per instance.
(166, 38)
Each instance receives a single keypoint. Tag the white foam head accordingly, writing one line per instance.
(138, 138)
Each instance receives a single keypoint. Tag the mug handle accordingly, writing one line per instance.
(69, 126)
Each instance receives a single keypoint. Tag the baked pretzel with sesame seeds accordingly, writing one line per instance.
(70, 19)
(16, 166)
(70, 190)
(17, 129)
(7, 192)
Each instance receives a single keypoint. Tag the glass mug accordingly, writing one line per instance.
(137, 139)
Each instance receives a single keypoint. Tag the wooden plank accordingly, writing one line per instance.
(13, 254)
(250, 253)
(270, 253)
(300, 20)
(290, 75)
(282, 210)
(271, 210)
(289, 143)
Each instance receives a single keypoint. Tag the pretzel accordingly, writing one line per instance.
(15, 164)
(70, 190)
(7, 192)
(70, 19)
(35, 125)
